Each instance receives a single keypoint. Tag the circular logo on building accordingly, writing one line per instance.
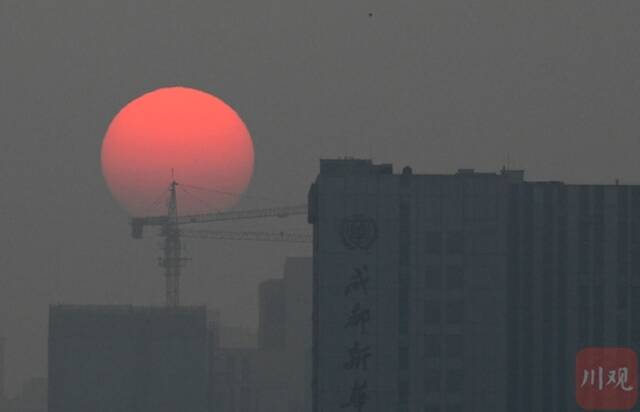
(359, 232)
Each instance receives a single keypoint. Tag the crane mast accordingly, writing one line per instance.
(172, 260)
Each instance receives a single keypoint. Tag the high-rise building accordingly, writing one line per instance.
(271, 327)
(573, 281)
(126, 358)
(470, 291)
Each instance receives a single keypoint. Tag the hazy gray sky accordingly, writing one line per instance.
(549, 86)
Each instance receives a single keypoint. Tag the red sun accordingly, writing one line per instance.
(191, 132)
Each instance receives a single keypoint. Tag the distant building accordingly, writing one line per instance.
(31, 398)
(276, 375)
(470, 291)
(225, 335)
(271, 327)
(126, 358)
(250, 380)
(298, 307)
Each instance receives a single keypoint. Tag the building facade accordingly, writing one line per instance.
(126, 358)
(271, 313)
(470, 291)
(574, 282)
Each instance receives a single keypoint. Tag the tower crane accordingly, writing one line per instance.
(172, 260)
(259, 236)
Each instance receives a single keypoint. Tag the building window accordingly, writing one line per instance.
(454, 382)
(432, 312)
(455, 311)
(403, 392)
(432, 381)
(403, 303)
(231, 365)
(635, 308)
(404, 247)
(634, 260)
(635, 200)
(454, 346)
(246, 369)
(585, 312)
(432, 346)
(403, 319)
(432, 407)
(403, 358)
(455, 243)
(635, 232)
(455, 277)
(433, 243)
(433, 277)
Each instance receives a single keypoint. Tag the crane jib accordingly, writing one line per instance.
(138, 223)
(173, 259)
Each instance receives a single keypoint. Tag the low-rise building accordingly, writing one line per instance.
(127, 359)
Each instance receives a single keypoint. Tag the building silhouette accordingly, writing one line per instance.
(469, 291)
(275, 375)
(271, 324)
(127, 358)
(32, 397)
(250, 380)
